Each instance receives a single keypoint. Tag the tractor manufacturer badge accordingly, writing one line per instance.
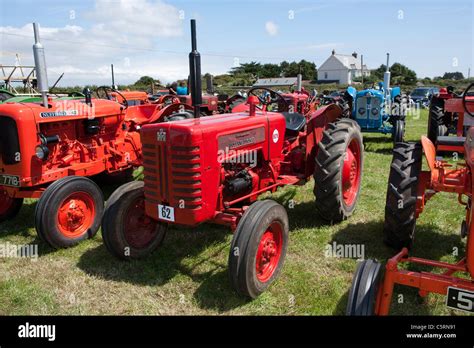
(161, 135)
(236, 140)
(59, 113)
(275, 136)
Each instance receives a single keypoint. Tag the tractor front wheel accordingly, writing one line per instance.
(364, 289)
(258, 248)
(128, 233)
(398, 131)
(400, 206)
(69, 211)
(338, 170)
(9, 206)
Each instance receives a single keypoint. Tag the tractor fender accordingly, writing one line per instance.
(317, 123)
(429, 151)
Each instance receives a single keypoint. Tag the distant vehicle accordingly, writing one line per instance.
(423, 95)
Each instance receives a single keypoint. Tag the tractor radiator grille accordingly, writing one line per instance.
(9, 142)
(173, 175)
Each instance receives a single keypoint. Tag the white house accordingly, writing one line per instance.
(341, 68)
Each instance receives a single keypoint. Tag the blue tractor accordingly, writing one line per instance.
(381, 110)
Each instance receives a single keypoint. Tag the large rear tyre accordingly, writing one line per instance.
(338, 170)
(258, 248)
(364, 289)
(400, 207)
(436, 120)
(69, 211)
(127, 232)
(9, 207)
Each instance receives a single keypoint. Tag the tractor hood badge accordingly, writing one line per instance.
(161, 135)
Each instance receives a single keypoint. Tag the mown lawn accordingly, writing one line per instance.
(188, 275)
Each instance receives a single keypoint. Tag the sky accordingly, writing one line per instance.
(152, 37)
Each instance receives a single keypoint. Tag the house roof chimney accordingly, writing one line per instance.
(354, 54)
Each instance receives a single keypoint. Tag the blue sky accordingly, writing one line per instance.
(83, 37)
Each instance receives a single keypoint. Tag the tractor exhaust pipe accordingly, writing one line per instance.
(113, 76)
(386, 77)
(40, 64)
(299, 82)
(195, 73)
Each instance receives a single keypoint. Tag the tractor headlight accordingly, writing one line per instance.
(361, 111)
(42, 152)
(375, 112)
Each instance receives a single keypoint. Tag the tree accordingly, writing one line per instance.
(453, 76)
(400, 74)
(146, 81)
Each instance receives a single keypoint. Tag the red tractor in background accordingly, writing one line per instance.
(213, 169)
(446, 116)
(409, 189)
(50, 150)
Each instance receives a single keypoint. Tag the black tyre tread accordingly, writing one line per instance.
(436, 120)
(109, 225)
(13, 210)
(399, 131)
(42, 210)
(329, 159)
(247, 228)
(364, 288)
(400, 220)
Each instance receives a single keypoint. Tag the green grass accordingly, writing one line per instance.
(188, 275)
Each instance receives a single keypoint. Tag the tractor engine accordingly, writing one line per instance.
(194, 169)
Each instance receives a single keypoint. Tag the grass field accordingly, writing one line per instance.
(188, 275)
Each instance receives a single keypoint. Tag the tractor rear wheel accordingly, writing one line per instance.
(338, 170)
(128, 233)
(400, 207)
(258, 248)
(364, 289)
(69, 211)
(398, 131)
(9, 206)
(436, 120)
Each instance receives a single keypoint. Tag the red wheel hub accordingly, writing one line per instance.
(76, 214)
(5, 201)
(139, 229)
(269, 252)
(351, 172)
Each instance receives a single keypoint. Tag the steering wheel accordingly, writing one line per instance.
(465, 101)
(168, 99)
(274, 97)
(76, 94)
(106, 89)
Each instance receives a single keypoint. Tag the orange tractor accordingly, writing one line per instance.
(409, 189)
(50, 150)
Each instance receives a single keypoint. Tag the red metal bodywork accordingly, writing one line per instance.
(187, 163)
(132, 97)
(209, 103)
(114, 147)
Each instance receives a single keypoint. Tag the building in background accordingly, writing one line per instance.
(342, 69)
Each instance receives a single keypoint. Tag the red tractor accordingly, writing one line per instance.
(213, 169)
(50, 150)
(409, 189)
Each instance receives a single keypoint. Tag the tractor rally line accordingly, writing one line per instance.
(208, 158)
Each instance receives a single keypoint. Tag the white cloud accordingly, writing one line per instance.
(121, 31)
(271, 28)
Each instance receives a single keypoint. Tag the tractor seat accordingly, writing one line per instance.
(294, 121)
(450, 141)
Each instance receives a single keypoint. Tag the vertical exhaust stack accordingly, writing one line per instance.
(299, 82)
(40, 63)
(386, 77)
(113, 76)
(195, 73)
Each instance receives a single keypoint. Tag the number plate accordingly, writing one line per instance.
(9, 180)
(165, 213)
(460, 299)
